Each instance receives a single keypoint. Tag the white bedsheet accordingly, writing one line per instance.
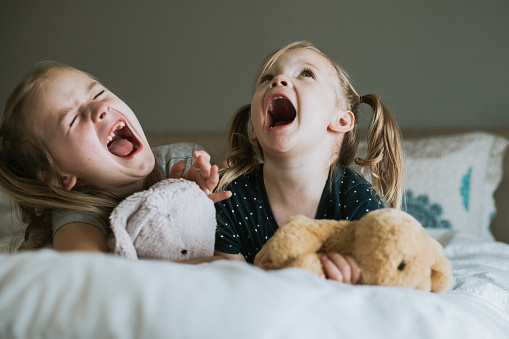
(49, 295)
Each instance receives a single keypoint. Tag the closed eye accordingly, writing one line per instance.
(73, 120)
(98, 94)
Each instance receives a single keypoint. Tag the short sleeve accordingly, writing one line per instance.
(169, 155)
(227, 240)
(61, 217)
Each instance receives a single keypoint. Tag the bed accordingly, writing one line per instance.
(457, 186)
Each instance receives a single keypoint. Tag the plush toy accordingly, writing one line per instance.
(390, 246)
(173, 220)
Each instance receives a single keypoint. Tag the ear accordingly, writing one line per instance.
(343, 122)
(65, 181)
(253, 136)
(123, 238)
(441, 270)
(68, 182)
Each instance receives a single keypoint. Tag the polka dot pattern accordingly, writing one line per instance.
(246, 221)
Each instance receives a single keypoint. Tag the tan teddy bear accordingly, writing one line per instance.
(390, 246)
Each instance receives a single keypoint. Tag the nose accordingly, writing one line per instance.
(279, 80)
(100, 111)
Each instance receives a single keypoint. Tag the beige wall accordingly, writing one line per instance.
(187, 65)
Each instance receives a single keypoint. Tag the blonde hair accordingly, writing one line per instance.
(29, 174)
(383, 160)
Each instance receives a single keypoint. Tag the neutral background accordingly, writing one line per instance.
(185, 66)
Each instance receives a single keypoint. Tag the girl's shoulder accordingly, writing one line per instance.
(248, 179)
(61, 217)
(348, 177)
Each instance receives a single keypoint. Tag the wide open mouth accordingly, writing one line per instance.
(280, 112)
(121, 141)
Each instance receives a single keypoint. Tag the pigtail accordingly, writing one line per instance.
(385, 154)
(243, 156)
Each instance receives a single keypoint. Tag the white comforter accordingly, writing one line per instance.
(49, 295)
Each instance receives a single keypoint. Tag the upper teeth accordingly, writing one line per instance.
(272, 101)
(112, 135)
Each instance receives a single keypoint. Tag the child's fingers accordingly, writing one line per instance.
(213, 178)
(197, 154)
(219, 196)
(203, 165)
(177, 170)
(355, 269)
(342, 265)
(331, 270)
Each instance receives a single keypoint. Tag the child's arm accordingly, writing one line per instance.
(79, 237)
(336, 267)
(217, 256)
(202, 173)
(238, 257)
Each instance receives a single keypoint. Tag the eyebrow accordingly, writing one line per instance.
(309, 64)
(93, 85)
(62, 114)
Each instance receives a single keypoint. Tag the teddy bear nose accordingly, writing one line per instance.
(184, 252)
(402, 266)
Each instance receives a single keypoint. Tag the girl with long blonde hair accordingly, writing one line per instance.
(71, 150)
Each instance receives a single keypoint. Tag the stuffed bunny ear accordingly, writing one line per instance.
(441, 270)
(122, 243)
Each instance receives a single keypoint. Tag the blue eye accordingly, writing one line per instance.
(265, 78)
(307, 73)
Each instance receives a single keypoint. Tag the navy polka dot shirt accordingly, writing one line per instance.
(245, 221)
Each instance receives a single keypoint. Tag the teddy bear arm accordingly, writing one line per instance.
(284, 246)
(299, 235)
(310, 262)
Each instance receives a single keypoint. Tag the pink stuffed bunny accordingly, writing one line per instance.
(173, 220)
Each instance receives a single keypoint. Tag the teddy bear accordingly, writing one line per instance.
(172, 220)
(390, 246)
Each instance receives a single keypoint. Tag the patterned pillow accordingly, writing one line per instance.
(450, 181)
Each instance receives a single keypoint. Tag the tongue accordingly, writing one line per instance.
(121, 147)
(281, 123)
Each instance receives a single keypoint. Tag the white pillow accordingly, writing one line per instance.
(450, 181)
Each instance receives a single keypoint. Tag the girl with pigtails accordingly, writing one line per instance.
(289, 154)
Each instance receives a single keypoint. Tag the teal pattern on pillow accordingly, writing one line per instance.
(465, 188)
(426, 213)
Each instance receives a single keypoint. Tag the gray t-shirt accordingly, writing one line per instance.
(166, 156)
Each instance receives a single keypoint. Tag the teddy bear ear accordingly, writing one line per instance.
(122, 243)
(441, 270)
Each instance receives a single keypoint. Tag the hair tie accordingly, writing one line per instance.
(360, 98)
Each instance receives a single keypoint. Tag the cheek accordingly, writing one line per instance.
(257, 112)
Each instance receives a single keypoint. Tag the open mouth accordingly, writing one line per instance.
(280, 112)
(121, 141)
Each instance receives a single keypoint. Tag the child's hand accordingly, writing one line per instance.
(202, 173)
(341, 268)
(264, 261)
